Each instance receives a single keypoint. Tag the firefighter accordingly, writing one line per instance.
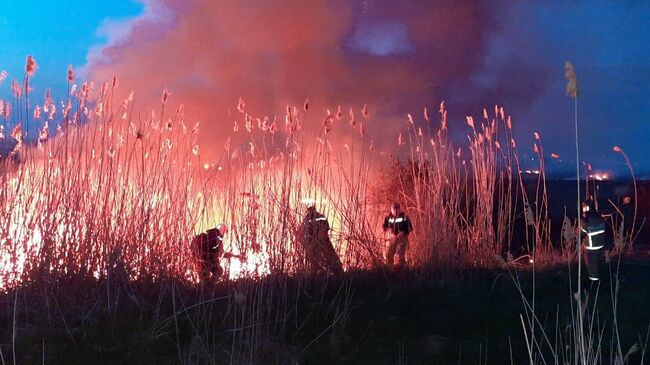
(208, 247)
(315, 240)
(398, 225)
(596, 242)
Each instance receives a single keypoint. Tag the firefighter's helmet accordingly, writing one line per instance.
(222, 228)
(588, 206)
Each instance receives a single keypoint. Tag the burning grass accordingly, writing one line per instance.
(105, 199)
(103, 189)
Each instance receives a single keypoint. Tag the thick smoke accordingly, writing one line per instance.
(395, 56)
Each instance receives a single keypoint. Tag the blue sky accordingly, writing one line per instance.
(608, 42)
(57, 33)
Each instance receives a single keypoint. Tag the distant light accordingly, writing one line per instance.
(600, 176)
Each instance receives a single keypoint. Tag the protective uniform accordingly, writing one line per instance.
(208, 248)
(399, 226)
(596, 242)
(315, 240)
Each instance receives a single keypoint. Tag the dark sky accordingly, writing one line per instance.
(396, 56)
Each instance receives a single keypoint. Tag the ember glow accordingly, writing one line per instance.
(114, 193)
(254, 264)
(106, 191)
(109, 192)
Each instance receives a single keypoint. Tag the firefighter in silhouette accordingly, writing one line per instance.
(596, 240)
(398, 226)
(208, 248)
(315, 240)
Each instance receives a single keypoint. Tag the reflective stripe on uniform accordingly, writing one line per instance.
(395, 220)
(593, 279)
(595, 233)
(317, 220)
(591, 243)
(592, 233)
